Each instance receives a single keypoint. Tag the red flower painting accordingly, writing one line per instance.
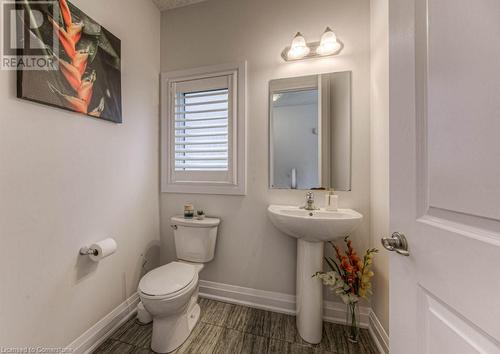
(86, 78)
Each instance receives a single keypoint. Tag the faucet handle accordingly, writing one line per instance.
(309, 195)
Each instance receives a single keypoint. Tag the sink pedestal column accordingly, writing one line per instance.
(309, 291)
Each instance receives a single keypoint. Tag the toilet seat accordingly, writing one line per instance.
(169, 281)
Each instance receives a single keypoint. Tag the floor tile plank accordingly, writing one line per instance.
(258, 322)
(253, 344)
(283, 327)
(215, 312)
(334, 338)
(230, 342)
(238, 318)
(134, 333)
(111, 346)
(204, 341)
(116, 334)
(365, 344)
(282, 347)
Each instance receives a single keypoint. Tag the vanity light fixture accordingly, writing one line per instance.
(328, 44)
(300, 49)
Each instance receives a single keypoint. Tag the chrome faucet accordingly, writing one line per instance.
(309, 202)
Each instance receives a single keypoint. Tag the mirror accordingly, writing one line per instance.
(310, 132)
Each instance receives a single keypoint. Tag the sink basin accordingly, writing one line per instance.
(311, 228)
(314, 225)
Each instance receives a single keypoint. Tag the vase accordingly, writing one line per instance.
(352, 322)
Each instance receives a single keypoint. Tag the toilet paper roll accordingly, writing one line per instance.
(104, 249)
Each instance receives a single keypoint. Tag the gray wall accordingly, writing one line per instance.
(67, 180)
(250, 251)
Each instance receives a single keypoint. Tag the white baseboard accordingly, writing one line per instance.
(99, 332)
(378, 333)
(260, 299)
(273, 301)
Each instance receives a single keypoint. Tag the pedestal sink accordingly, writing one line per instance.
(312, 228)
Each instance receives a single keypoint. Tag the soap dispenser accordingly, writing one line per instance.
(331, 201)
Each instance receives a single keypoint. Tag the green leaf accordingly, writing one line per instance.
(91, 27)
(331, 265)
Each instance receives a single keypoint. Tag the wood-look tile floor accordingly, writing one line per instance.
(233, 329)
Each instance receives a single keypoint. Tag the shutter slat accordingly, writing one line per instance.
(204, 103)
(197, 151)
(199, 135)
(202, 127)
(200, 119)
(202, 158)
(204, 111)
(205, 166)
(203, 142)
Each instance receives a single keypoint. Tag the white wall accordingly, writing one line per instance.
(379, 207)
(67, 180)
(250, 251)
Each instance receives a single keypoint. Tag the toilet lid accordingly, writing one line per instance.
(167, 279)
(207, 222)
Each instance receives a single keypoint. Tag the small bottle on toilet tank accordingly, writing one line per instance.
(188, 211)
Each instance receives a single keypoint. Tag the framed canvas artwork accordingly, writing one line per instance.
(82, 69)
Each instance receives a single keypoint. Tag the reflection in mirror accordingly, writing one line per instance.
(310, 137)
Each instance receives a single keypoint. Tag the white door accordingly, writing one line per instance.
(445, 175)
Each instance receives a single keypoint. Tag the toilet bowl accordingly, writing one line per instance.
(170, 292)
(167, 293)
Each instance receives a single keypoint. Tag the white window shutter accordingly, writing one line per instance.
(201, 130)
(204, 131)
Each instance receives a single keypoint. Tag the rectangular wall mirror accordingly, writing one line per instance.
(310, 132)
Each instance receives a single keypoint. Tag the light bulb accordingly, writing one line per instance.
(328, 43)
(298, 48)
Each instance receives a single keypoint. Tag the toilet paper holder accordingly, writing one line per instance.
(99, 250)
(87, 251)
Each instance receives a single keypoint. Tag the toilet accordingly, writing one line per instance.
(170, 292)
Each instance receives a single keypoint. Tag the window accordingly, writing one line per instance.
(203, 130)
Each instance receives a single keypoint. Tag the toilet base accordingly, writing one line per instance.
(169, 333)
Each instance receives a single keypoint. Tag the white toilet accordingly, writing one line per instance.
(170, 292)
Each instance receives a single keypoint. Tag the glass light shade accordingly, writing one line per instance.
(328, 43)
(298, 48)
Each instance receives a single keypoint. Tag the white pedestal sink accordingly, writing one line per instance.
(312, 228)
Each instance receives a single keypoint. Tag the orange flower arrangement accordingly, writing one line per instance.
(350, 276)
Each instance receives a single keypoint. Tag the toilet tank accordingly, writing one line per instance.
(195, 239)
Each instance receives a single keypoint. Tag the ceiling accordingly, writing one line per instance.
(164, 5)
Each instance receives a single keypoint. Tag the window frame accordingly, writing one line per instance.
(236, 184)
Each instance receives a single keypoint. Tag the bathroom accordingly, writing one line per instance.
(409, 160)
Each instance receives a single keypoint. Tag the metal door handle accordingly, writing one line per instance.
(397, 242)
